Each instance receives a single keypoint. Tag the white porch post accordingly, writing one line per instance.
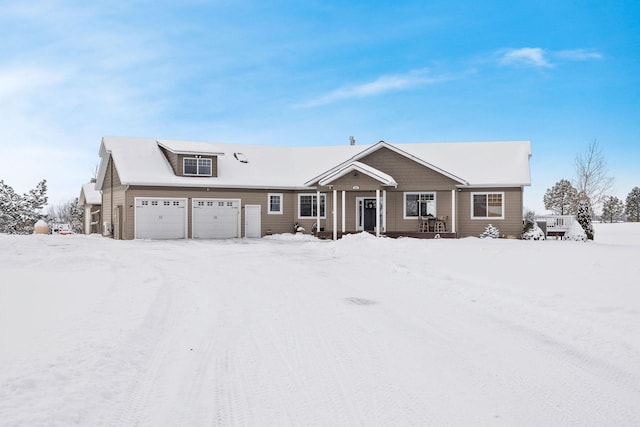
(378, 212)
(452, 223)
(318, 211)
(384, 211)
(344, 223)
(335, 214)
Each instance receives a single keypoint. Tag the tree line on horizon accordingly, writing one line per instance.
(590, 189)
(20, 212)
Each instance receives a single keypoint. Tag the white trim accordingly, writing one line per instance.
(404, 203)
(335, 214)
(197, 159)
(384, 211)
(486, 193)
(269, 211)
(317, 216)
(377, 212)
(344, 211)
(378, 175)
(359, 211)
(376, 147)
(452, 223)
(318, 205)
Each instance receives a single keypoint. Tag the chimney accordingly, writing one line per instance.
(352, 140)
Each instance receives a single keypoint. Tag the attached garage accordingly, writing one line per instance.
(216, 218)
(160, 218)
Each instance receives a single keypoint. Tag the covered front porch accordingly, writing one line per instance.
(360, 198)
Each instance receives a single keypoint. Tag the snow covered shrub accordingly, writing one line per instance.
(491, 232)
(529, 221)
(575, 233)
(533, 233)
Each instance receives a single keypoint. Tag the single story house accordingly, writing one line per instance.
(91, 201)
(165, 189)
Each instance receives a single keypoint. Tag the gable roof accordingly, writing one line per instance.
(139, 161)
(89, 195)
(378, 175)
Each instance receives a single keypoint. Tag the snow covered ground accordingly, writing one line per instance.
(288, 330)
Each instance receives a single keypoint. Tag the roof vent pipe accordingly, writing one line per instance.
(352, 140)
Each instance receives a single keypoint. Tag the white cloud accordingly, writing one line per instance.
(526, 56)
(578, 54)
(383, 84)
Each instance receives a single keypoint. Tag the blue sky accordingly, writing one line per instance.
(560, 74)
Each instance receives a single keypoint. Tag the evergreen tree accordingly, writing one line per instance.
(33, 202)
(561, 199)
(612, 209)
(10, 208)
(529, 221)
(69, 212)
(584, 215)
(633, 205)
(18, 214)
(77, 216)
(491, 232)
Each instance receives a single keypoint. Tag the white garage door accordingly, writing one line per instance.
(160, 218)
(216, 218)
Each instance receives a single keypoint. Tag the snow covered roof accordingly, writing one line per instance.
(383, 178)
(89, 195)
(139, 161)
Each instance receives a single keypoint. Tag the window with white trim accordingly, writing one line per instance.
(487, 205)
(196, 166)
(275, 203)
(308, 206)
(418, 205)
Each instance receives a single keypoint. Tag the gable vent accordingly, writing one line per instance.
(241, 157)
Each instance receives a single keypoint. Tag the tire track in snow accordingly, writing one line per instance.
(163, 312)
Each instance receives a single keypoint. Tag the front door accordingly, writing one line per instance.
(369, 214)
(366, 213)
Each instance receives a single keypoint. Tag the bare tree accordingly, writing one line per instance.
(592, 177)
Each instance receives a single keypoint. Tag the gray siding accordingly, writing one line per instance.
(274, 223)
(510, 226)
(113, 195)
(410, 175)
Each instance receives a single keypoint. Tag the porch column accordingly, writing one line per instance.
(318, 211)
(452, 226)
(344, 209)
(335, 214)
(384, 211)
(377, 212)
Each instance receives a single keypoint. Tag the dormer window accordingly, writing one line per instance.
(196, 166)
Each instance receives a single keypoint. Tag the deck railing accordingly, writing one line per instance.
(557, 224)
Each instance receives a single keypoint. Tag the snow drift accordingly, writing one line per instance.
(289, 330)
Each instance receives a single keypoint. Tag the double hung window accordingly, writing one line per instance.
(275, 203)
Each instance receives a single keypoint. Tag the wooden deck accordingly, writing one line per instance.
(328, 235)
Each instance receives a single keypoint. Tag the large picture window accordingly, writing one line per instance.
(196, 166)
(307, 206)
(487, 205)
(418, 205)
(275, 203)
